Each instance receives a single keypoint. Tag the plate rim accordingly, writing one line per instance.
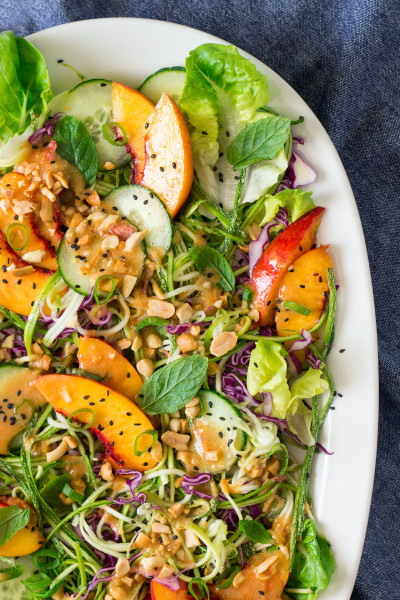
(368, 478)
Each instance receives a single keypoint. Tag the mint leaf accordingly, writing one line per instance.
(210, 259)
(172, 386)
(75, 145)
(12, 519)
(261, 140)
(156, 322)
(255, 531)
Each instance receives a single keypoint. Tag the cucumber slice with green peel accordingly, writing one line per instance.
(144, 209)
(68, 265)
(169, 79)
(91, 103)
(216, 433)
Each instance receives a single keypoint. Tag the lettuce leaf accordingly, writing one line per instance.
(314, 565)
(296, 202)
(223, 92)
(306, 385)
(24, 86)
(267, 373)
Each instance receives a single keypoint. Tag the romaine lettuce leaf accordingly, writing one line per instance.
(267, 373)
(24, 86)
(223, 92)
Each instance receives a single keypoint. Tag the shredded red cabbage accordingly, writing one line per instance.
(183, 327)
(47, 129)
(132, 484)
(189, 483)
(312, 360)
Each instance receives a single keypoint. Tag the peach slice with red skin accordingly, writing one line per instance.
(19, 292)
(26, 540)
(305, 283)
(132, 110)
(98, 357)
(13, 185)
(272, 267)
(118, 422)
(251, 586)
(169, 158)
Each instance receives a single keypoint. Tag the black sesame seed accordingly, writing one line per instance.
(285, 320)
(340, 395)
(5, 281)
(128, 414)
(52, 162)
(320, 279)
(4, 418)
(23, 416)
(209, 414)
(19, 281)
(307, 475)
(236, 177)
(108, 392)
(102, 400)
(220, 434)
(145, 202)
(227, 134)
(230, 442)
(160, 540)
(162, 169)
(174, 165)
(325, 294)
(269, 302)
(12, 420)
(100, 428)
(302, 286)
(134, 197)
(222, 419)
(86, 397)
(121, 433)
(261, 592)
(128, 375)
(151, 195)
(19, 392)
(153, 156)
(137, 424)
(234, 428)
(145, 464)
(92, 403)
(111, 423)
(15, 217)
(103, 84)
(301, 248)
(112, 444)
(35, 147)
(278, 309)
(146, 125)
(342, 350)
(174, 537)
(210, 404)
(195, 468)
(60, 60)
(10, 405)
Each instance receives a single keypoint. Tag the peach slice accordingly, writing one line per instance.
(162, 592)
(271, 268)
(132, 110)
(270, 584)
(98, 357)
(16, 184)
(118, 423)
(19, 286)
(169, 159)
(21, 401)
(305, 283)
(26, 540)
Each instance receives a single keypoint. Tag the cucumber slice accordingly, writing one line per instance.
(145, 210)
(91, 103)
(217, 434)
(169, 79)
(68, 265)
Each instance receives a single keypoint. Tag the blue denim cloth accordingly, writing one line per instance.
(342, 56)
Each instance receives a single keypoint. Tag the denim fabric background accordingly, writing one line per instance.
(342, 56)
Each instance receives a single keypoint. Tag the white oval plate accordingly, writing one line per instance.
(128, 50)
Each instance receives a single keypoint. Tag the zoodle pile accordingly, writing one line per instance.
(166, 315)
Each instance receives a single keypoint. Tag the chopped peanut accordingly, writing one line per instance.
(145, 367)
(128, 284)
(191, 539)
(58, 452)
(223, 343)
(184, 312)
(176, 509)
(160, 528)
(106, 472)
(179, 441)
(122, 567)
(142, 541)
(45, 362)
(72, 443)
(160, 308)
(187, 343)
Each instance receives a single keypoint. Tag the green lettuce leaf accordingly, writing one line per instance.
(267, 373)
(223, 92)
(296, 202)
(313, 565)
(24, 86)
(306, 385)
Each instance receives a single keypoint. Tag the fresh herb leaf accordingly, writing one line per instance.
(11, 572)
(209, 258)
(24, 85)
(255, 531)
(247, 295)
(12, 519)
(51, 491)
(156, 322)
(299, 308)
(261, 140)
(172, 386)
(313, 564)
(75, 145)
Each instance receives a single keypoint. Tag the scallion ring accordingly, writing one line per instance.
(116, 128)
(154, 435)
(71, 493)
(299, 308)
(86, 425)
(96, 287)
(202, 589)
(10, 234)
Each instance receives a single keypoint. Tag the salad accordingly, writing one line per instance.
(166, 314)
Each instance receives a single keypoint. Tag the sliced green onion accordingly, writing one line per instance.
(114, 141)
(9, 235)
(96, 286)
(71, 493)
(83, 426)
(202, 589)
(42, 556)
(225, 579)
(154, 435)
(297, 308)
(38, 583)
